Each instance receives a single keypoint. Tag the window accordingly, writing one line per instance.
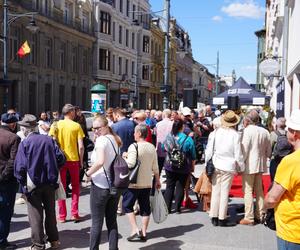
(133, 68)
(146, 44)
(37, 5)
(120, 65)
(61, 97)
(145, 72)
(126, 67)
(85, 21)
(133, 11)
(73, 94)
(114, 64)
(104, 59)
(48, 96)
(133, 40)
(127, 37)
(85, 62)
(105, 20)
(120, 34)
(13, 44)
(121, 6)
(48, 53)
(47, 7)
(114, 31)
(127, 7)
(74, 59)
(62, 57)
(68, 13)
(83, 98)
(33, 47)
(32, 95)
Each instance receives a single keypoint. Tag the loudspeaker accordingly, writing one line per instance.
(233, 102)
(190, 98)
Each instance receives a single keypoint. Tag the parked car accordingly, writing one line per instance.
(89, 117)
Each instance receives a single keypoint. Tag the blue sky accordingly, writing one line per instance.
(226, 26)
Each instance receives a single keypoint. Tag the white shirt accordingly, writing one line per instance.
(227, 150)
(42, 131)
(103, 142)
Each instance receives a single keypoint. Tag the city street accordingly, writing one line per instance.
(189, 230)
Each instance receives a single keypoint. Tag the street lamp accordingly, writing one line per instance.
(9, 18)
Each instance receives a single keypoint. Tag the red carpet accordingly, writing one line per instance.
(236, 188)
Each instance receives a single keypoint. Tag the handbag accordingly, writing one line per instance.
(210, 168)
(133, 173)
(60, 193)
(269, 219)
(158, 207)
(88, 144)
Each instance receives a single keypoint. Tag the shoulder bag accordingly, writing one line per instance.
(133, 173)
(210, 168)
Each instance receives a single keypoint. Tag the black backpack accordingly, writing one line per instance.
(176, 156)
(119, 171)
(282, 146)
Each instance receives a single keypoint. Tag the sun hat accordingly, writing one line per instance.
(294, 121)
(186, 111)
(28, 121)
(230, 119)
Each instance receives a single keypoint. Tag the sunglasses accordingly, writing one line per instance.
(96, 128)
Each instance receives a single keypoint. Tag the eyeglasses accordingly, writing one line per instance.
(96, 128)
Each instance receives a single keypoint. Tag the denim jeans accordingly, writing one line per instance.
(8, 192)
(103, 204)
(286, 245)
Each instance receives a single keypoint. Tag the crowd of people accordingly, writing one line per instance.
(173, 141)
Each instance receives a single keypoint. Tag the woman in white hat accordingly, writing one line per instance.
(224, 147)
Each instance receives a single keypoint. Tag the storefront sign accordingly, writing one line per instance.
(280, 99)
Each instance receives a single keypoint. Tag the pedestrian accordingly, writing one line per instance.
(69, 136)
(103, 199)
(178, 177)
(284, 195)
(256, 146)
(8, 184)
(224, 147)
(43, 124)
(140, 118)
(144, 152)
(38, 178)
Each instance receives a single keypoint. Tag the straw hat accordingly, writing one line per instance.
(230, 119)
(294, 121)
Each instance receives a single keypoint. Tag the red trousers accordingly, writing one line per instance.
(73, 168)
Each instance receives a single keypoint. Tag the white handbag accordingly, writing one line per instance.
(158, 207)
(60, 193)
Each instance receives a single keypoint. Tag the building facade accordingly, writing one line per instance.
(261, 52)
(58, 68)
(282, 42)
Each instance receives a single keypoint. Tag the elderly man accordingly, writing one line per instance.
(8, 184)
(38, 178)
(256, 146)
(284, 195)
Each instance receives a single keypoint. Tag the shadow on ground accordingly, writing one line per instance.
(172, 232)
(165, 245)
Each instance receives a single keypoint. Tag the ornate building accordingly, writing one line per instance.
(58, 69)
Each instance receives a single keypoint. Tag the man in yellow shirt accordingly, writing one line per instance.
(69, 135)
(285, 193)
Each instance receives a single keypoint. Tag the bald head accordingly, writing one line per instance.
(252, 117)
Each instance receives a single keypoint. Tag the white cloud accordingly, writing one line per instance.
(249, 68)
(217, 18)
(246, 9)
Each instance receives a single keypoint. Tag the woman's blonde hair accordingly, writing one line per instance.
(102, 119)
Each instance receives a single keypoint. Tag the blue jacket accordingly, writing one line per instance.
(125, 129)
(36, 158)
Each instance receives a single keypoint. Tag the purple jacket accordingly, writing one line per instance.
(36, 158)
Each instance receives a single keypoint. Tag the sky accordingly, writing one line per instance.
(226, 26)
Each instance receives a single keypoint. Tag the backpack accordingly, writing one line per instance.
(176, 156)
(282, 146)
(119, 171)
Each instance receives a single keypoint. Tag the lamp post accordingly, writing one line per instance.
(9, 18)
(166, 59)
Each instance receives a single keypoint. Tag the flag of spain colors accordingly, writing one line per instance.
(24, 50)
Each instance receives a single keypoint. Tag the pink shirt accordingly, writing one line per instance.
(163, 128)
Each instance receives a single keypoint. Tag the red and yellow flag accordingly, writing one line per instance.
(24, 50)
